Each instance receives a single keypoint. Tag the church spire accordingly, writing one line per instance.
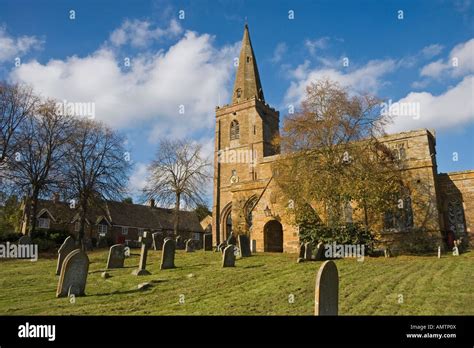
(247, 80)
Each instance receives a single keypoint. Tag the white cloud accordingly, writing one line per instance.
(459, 63)
(192, 73)
(313, 45)
(367, 78)
(453, 108)
(279, 51)
(11, 47)
(137, 180)
(141, 33)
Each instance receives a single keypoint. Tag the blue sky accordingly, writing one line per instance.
(189, 62)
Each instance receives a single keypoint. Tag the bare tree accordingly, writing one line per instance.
(96, 167)
(178, 174)
(40, 146)
(17, 102)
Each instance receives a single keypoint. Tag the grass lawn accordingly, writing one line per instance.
(259, 285)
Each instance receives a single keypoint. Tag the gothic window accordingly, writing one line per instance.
(456, 217)
(234, 130)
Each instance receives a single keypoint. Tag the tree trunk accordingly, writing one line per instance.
(33, 212)
(176, 214)
(82, 225)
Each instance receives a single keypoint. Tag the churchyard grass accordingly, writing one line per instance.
(264, 284)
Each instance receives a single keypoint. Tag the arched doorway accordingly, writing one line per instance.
(273, 236)
(226, 223)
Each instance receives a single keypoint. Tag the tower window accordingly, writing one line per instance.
(234, 130)
(238, 92)
(248, 59)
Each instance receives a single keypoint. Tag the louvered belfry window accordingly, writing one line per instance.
(234, 130)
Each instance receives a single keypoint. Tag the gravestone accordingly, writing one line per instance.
(244, 245)
(145, 239)
(73, 278)
(231, 240)
(180, 245)
(25, 240)
(253, 246)
(439, 252)
(228, 257)
(327, 290)
(66, 248)
(320, 252)
(157, 241)
(207, 242)
(116, 256)
(387, 253)
(308, 251)
(189, 246)
(167, 257)
(221, 247)
(301, 253)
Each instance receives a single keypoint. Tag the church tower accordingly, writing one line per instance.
(244, 133)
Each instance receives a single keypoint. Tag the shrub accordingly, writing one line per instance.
(349, 233)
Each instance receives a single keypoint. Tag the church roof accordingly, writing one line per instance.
(247, 80)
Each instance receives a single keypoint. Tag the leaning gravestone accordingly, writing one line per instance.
(157, 241)
(66, 248)
(116, 256)
(320, 252)
(25, 240)
(167, 257)
(301, 253)
(144, 239)
(244, 245)
(308, 251)
(221, 247)
(327, 290)
(189, 246)
(228, 257)
(207, 242)
(72, 280)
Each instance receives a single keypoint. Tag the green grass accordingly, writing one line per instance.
(259, 285)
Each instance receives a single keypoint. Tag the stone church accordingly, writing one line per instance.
(246, 198)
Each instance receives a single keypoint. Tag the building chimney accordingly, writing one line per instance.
(152, 203)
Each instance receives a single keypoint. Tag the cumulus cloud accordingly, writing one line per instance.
(11, 47)
(459, 63)
(137, 180)
(367, 78)
(190, 76)
(141, 34)
(453, 108)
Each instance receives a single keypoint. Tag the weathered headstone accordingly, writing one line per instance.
(387, 253)
(439, 252)
(327, 290)
(116, 256)
(308, 251)
(157, 241)
(180, 245)
(244, 245)
(65, 249)
(253, 246)
(73, 278)
(207, 242)
(25, 240)
(144, 239)
(320, 252)
(189, 246)
(228, 257)
(167, 257)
